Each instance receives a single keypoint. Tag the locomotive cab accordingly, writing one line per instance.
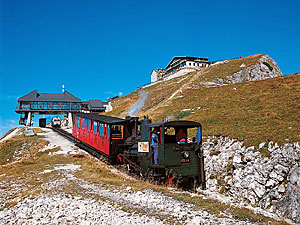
(179, 155)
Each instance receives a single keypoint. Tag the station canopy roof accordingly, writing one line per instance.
(34, 96)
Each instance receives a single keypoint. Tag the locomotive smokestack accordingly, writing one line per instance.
(134, 130)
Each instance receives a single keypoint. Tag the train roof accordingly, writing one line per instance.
(101, 118)
(176, 123)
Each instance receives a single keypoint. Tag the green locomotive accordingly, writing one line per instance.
(180, 157)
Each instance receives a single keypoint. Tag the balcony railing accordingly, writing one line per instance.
(52, 106)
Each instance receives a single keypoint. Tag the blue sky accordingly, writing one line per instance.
(99, 48)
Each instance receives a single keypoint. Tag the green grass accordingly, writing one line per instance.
(19, 143)
(226, 69)
(252, 112)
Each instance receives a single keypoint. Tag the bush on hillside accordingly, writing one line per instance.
(268, 65)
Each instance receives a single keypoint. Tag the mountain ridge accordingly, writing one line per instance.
(252, 111)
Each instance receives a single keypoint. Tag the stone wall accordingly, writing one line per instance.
(265, 68)
(267, 177)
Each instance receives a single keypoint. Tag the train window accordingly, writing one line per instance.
(107, 131)
(89, 125)
(104, 130)
(176, 135)
(95, 127)
(170, 135)
(179, 135)
(139, 128)
(78, 122)
(101, 129)
(83, 121)
(117, 132)
(191, 133)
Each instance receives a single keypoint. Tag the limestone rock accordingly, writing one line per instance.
(271, 183)
(258, 189)
(251, 178)
(265, 68)
(295, 176)
(289, 205)
(261, 145)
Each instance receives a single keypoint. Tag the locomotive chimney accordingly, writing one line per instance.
(134, 130)
(144, 127)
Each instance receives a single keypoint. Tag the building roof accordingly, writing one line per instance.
(101, 118)
(96, 105)
(186, 58)
(34, 96)
(160, 70)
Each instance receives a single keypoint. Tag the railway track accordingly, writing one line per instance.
(94, 152)
(79, 144)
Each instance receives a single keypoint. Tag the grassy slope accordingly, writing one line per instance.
(27, 179)
(254, 112)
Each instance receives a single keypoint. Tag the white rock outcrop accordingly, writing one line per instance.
(270, 181)
(265, 68)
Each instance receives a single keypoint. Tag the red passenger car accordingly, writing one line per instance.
(104, 133)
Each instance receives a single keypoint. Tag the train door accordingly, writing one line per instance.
(160, 145)
(117, 135)
(107, 138)
(101, 137)
(88, 132)
(79, 129)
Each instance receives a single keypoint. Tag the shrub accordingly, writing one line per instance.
(182, 114)
(268, 65)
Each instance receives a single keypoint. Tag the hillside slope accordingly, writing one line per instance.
(231, 98)
(46, 179)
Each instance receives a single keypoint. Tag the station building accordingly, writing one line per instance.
(63, 104)
(179, 63)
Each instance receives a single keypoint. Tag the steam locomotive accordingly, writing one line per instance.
(127, 141)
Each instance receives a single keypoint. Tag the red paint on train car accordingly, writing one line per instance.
(93, 133)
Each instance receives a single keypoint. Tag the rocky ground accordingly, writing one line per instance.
(59, 187)
(267, 177)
